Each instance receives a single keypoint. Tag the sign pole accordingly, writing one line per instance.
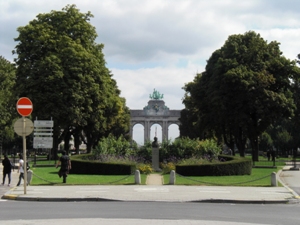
(24, 155)
(24, 108)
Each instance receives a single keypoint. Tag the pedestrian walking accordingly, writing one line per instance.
(21, 169)
(65, 166)
(6, 170)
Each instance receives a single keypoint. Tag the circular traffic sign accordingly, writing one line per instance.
(24, 106)
(23, 129)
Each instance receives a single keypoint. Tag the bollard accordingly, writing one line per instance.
(172, 177)
(137, 177)
(273, 179)
(29, 176)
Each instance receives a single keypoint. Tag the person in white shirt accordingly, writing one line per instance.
(21, 169)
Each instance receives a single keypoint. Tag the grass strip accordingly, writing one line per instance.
(242, 180)
(49, 176)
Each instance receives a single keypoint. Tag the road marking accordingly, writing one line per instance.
(96, 190)
(41, 189)
(93, 188)
(151, 189)
(274, 193)
(213, 190)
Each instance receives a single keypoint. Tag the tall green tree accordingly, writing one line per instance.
(62, 70)
(8, 99)
(246, 86)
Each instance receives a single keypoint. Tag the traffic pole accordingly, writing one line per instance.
(24, 155)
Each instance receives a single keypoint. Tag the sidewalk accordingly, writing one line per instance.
(155, 191)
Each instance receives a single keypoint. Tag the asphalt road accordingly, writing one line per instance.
(19, 212)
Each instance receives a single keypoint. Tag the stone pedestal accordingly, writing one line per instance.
(155, 159)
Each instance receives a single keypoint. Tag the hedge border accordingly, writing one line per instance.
(232, 166)
(82, 166)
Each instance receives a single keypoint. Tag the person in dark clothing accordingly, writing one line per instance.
(273, 155)
(65, 166)
(269, 154)
(6, 169)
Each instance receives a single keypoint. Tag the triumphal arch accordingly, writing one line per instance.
(156, 112)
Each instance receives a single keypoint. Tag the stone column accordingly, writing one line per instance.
(165, 130)
(146, 132)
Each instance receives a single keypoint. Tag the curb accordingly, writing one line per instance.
(93, 199)
(54, 199)
(10, 197)
(296, 196)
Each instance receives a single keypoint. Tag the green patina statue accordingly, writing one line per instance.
(156, 95)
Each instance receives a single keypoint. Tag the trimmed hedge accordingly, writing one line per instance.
(232, 166)
(81, 166)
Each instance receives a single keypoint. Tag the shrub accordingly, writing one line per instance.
(145, 152)
(208, 148)
(144, 168)
(183, 148)
(113, 146)
(167, 167)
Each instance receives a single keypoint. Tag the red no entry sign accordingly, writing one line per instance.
(24, 106)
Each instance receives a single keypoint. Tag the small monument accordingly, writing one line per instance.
(155, 155)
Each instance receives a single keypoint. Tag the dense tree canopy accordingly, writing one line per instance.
(7, 97)
(62, 70)
(247, 85)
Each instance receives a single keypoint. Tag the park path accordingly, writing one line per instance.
(154, 179)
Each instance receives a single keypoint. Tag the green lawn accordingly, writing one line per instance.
(260, 177)
(49, 176)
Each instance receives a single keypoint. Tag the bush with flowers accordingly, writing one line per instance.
(181, 151)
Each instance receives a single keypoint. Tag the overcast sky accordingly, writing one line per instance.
(162, 44)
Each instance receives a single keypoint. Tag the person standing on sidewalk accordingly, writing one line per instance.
(21, 169)
(65, 166)
(6, 169)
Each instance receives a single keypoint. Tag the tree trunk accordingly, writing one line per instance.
(240, 141)
(88, 147)
(254, 144)
(229, 143)
(77, 141)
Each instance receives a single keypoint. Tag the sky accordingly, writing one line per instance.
(163, 44)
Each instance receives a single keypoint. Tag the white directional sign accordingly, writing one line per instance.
(43, 134)
(42, 142)
(43, 123)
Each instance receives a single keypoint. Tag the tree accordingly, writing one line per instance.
(7, 99)
(265, 141)
(246, 86)
(63, 71)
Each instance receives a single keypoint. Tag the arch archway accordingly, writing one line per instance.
(174, 131)
(138, 134)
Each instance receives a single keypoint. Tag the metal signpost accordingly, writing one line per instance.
(23, 127)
